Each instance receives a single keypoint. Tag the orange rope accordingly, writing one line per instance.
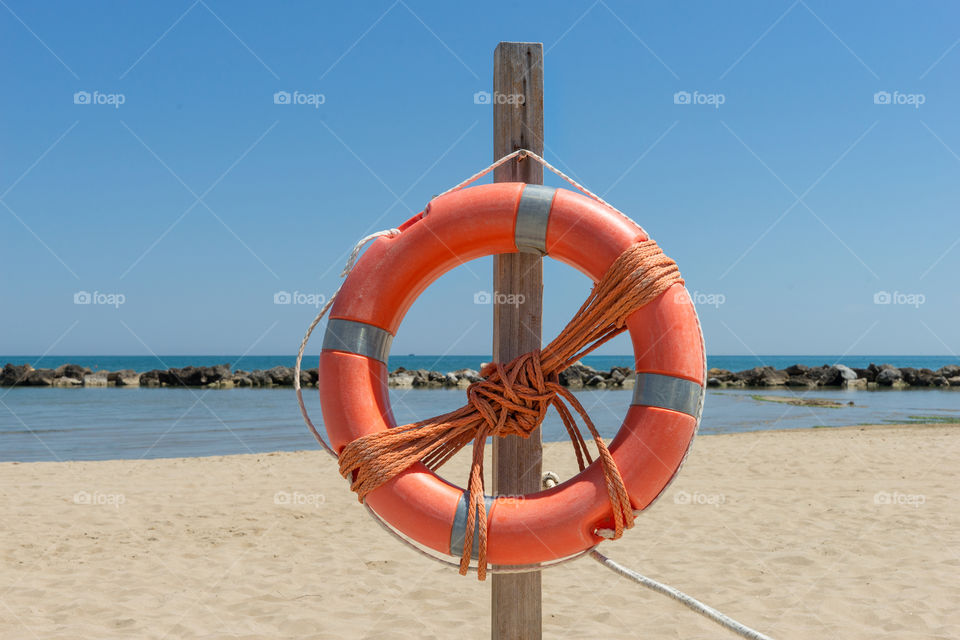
(513, 399)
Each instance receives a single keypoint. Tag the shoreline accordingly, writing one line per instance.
(577, 376)
(917, 426)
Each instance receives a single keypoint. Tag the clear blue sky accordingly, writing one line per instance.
(198, 198)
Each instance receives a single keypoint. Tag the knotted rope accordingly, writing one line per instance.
(513, 399)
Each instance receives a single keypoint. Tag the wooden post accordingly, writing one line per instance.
(517, 462)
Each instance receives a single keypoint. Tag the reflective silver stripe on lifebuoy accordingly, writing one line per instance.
(358, 337)
(533, 214)
(667, 392)
(457, 533)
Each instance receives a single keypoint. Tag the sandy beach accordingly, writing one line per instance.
(839, 533)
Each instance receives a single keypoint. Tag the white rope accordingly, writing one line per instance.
(551, 479)
(521, 154)
(687, 601)
(351, 263)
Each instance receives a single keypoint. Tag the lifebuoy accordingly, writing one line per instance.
(660, 423)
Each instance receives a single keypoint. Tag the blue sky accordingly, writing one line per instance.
(795, 202)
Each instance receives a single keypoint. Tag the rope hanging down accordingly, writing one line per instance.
(513, 399)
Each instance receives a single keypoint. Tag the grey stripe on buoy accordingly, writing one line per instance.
(533, 214)
(667, 392)
(358, 337)
(457, 533)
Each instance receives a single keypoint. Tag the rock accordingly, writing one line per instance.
(949, 371)
(596, 381)
(72, 371)
(402, 380)
(629, 382)
(66, 382)
(570, 378)
(762, 377)
(618, 375)
(722, 375)
(14, 374)
(422, 380)
(940, 381)
(923, 378)
(954, 381)
(40, 378)
(797, 370)
(855, 384)
(124, 378)
(306, 380)
(450, 380)
(151, 378)
(242, 381)
(887, 376)
(836, 375)
(910, 375)
(800, 381)
(98, 379)
(263, 378)
(714, 382)
(470, 374)
(870, 375)
(282, 376)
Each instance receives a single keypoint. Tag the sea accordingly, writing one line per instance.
(52, 424)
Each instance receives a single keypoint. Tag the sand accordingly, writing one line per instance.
(824, 533)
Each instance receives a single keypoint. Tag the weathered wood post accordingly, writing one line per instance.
(517, 277)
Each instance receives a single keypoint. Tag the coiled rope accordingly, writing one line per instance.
(513, 399)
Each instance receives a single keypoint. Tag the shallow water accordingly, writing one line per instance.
(99, 424)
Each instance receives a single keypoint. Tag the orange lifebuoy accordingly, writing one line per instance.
(505, 218)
